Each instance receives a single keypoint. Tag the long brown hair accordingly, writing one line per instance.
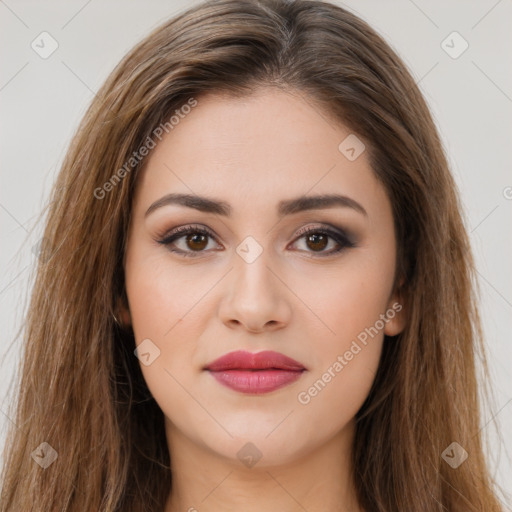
(80, 387)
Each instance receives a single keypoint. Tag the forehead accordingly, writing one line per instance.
(254, 150)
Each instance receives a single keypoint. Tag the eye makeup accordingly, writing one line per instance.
(196, 233)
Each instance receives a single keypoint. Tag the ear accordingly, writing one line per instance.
(396, 311)
(124, 310)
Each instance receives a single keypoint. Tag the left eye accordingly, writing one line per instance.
(318, 238)
(196, 240)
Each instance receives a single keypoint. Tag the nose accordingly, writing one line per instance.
(256, 297)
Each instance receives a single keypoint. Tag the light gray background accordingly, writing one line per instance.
(42, 101)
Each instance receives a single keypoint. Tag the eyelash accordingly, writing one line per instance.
(341, 239)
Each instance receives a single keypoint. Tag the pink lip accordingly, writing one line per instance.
(257, 373)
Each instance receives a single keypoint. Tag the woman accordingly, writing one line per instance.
(255, 285)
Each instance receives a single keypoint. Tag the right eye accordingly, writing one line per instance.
(195, 240)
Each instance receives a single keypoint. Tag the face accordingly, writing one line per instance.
(259, 272)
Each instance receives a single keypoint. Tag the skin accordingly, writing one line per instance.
(295, 298)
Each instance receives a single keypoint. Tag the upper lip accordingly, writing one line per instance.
(243, 360)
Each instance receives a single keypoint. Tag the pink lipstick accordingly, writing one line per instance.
(257, 373)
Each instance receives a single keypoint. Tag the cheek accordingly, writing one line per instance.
(150, 299)
(345, 365)
(348, 299)
(347, 353)
(162, 298)
(162, 310)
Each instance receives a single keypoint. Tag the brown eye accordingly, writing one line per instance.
(197, 241)
(317, 241)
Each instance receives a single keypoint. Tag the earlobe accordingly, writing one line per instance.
(126, 319)
(396, 313)
(124, 311)
(396, 323)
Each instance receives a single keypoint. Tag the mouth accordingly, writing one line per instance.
(255, 373)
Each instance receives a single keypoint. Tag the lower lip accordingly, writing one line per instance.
(256, 381)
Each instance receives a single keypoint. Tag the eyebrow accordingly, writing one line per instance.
(285, 207)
